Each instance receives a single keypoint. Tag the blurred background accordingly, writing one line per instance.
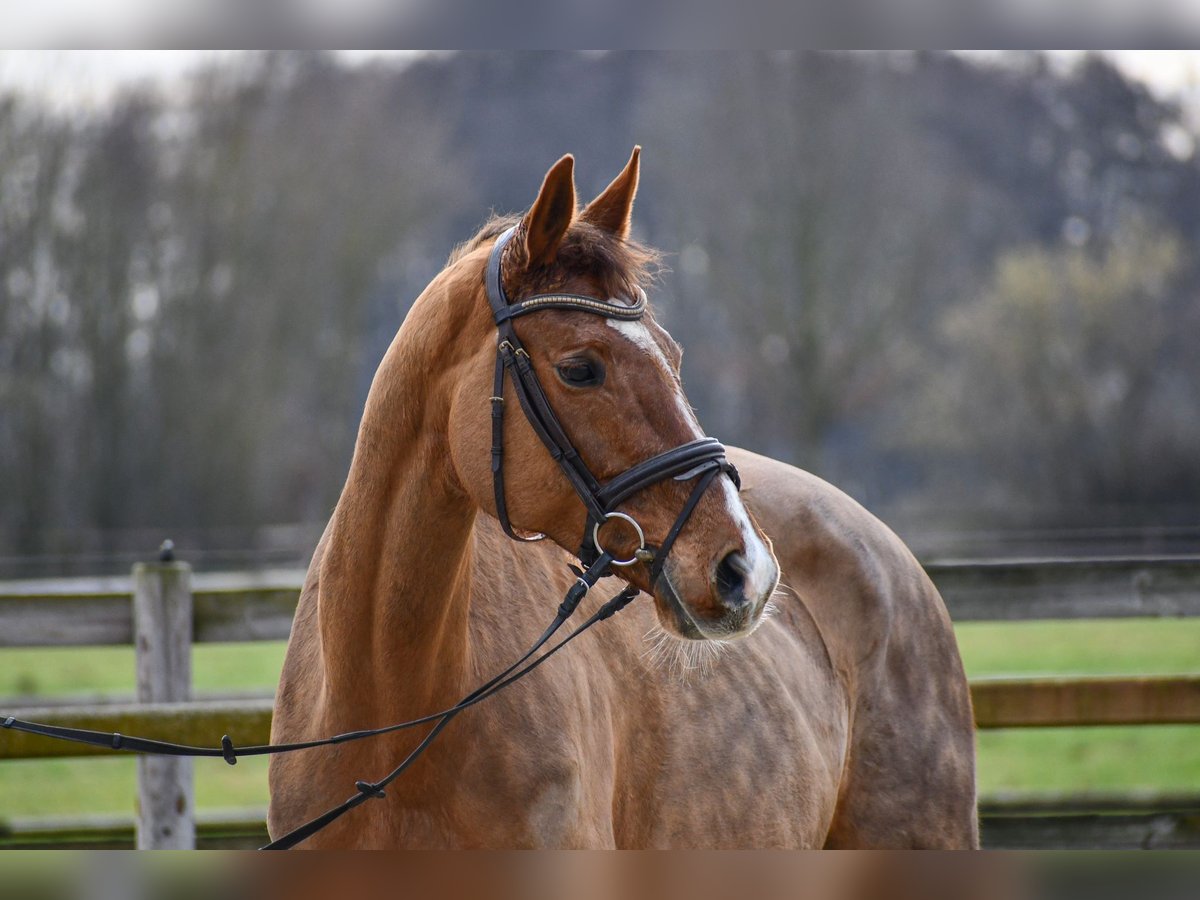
(963, 287)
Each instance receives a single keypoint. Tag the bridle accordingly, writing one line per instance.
(702, 459)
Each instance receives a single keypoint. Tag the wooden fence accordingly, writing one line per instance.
(171, 608)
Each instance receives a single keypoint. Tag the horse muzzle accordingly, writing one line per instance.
(728, 607)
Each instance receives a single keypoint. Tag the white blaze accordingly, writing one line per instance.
(763, 572)
(638, 334)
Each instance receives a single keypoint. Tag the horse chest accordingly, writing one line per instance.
(524, 770)
(734, 759)
(752, 776)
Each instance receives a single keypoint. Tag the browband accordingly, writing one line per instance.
(503, 310)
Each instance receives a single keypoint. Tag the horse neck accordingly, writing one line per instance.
(395, 575)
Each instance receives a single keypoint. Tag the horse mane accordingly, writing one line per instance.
(618, 266)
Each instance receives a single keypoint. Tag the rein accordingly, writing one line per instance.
(702, 459)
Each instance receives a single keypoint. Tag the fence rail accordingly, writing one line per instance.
(999, 703)
(260, 606)
(80, 612)
(74, 612)
(1109, 588)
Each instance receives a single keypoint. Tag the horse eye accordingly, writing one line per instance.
(581, 373)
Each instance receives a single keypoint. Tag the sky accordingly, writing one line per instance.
(72, 79)
(81, 79)
(1169, 73)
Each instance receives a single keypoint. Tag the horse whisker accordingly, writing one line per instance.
(682, 659)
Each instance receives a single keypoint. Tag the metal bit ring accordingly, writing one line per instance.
(636, 527)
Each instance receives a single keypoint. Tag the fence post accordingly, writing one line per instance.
(162, 616)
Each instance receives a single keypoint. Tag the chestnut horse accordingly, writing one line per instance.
(842, 720)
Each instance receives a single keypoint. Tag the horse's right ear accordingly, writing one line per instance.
(551, 214)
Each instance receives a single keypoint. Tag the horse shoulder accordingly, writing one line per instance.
(910, 765)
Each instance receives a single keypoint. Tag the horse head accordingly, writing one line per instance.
(612, 382)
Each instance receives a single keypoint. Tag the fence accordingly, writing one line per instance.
(171, 608)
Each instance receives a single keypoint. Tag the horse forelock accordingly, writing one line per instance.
(614, 265)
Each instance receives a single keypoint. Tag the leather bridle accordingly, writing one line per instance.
(702, 459)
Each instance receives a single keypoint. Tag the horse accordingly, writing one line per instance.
(792, 679)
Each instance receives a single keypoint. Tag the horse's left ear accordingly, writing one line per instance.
(613, 209)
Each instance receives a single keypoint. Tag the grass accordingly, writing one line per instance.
(1158, 757)
(74, 671)
(60, 786)
(1084, 647)
(1057, 759)
(49, 787)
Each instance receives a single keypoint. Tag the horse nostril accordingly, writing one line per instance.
(732, 572)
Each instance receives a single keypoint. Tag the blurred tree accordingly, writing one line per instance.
(195, 288)
(816, 227)
(1070, 381)
(285, 196)
(38, 374)
(104, 245)
(188, 290)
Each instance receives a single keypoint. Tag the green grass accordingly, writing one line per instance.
(1159, 757)
(47, 787)
(1057, 759)
(74, 671)
(1101, 759)
(1085, 647)
(59, 786)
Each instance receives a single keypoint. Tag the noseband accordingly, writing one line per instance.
(702, 459)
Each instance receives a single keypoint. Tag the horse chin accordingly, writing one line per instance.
(678, 620)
